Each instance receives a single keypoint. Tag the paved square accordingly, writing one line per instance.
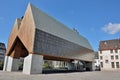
(95, 75)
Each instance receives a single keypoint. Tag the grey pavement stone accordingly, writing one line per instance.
(95, 75)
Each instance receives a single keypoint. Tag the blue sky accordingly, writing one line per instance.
(94, 19)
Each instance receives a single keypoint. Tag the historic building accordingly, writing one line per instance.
(37, 37)
(109, 54)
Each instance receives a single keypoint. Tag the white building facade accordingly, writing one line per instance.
(109, 54)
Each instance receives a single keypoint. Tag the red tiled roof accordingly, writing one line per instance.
(109, 44)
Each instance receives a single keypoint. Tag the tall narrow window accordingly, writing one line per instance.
(60, 63)
(57, 63)
(101, 57)
(111, 51)
(116, 57)
(116, 51)
(112, 65)
(112, 57)
(101, 63)
(117, 64)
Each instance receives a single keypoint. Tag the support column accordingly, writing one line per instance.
(11, 64)
(93, 66)
(70, 65)
(80, 64)
(5, 63)
(76, 64)
(33, 64)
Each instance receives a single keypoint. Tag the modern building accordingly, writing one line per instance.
(2, 51)
(109, 54)
(37, 37)
(2, 54)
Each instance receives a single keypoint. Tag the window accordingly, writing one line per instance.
(95, 62)
(116, 57)
(64, 63)
(101, 57)
(100, 52)
(2, 51)
(106, 61)
(60, 63)
(111, 51)
(112, 65)
(116, 51)
(57, 63)
(112, 57)
(117, 64)
(101, 63)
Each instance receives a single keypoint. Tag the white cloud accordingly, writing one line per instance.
(111, 28)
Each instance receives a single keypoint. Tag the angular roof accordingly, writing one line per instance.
(48, 24)
(109, 44)
(23, 35)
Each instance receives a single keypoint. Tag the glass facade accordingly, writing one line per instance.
(49, 44)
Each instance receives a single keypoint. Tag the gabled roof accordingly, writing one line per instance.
(109, 44)
(23, 35)
(48, 24)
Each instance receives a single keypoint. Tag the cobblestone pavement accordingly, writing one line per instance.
(95, 75)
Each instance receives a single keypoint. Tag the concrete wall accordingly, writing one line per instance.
(11, 64)
(5, 63)
(33, 64)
